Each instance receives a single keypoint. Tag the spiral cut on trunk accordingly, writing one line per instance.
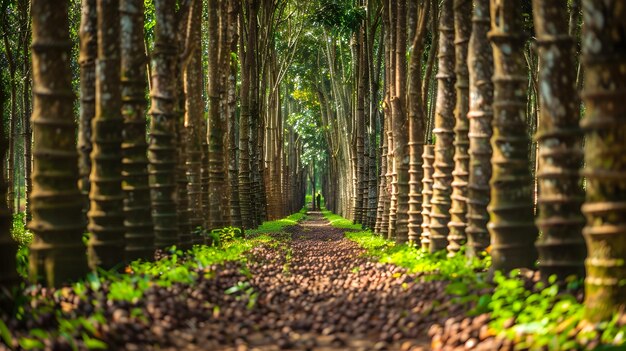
(192, 78)
(106, 213)
(428, 158)
(162, 150)
(512, 227)
(382, 184)
(88, 33)
(480, 61)
(561, 246)
(57, 253)
(137, 205)
(8, 246)
(458, 208)
(604, 60)
(444, 124)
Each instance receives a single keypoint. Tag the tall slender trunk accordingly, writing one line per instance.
(416, 128)
(137, 205)
(26, 107)
(8, 246)
(511, 225)
(604, 59)
(428, 158)
(480, 61)
(10, 155)
(233, 150)
(162, 151)
(57, 253)
(106, 215)
(561, 247)
(216, 126)
(192, 77)
(458, 208)
(87, 59)
(444, 124)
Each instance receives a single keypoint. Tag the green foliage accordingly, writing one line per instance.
(339, 16)
(340, 222)
(224, 235)
(278, 225)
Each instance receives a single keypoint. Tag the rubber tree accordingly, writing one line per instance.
(480, 62)
(216, 125)
(192, 78)
(106, 215)
(416, 128)
(233, 150)
(8, 246)
(88, 33)
(57, 253)
(604, 60)
(561, 246)
(137, 205)
(162, 151)
(511, 227)
(458, 207)
(444, 124)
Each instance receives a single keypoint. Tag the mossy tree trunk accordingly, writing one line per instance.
(480, 61)
(88, 33)
(8, 246)
(444, 124)
(57, 253)
(106, 215)
(458, 207)
(512, 229)
(192, 77)
(604, 61)
(162, 151)
(216, 125)
(137, 204)
(561, 246)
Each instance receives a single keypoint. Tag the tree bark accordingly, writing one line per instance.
(604, 59)
(57, 253)
(480, 61)
(458, 207)
(512, 229)
(137, 205)
(106, 216)
(444, 124)
(162, 151)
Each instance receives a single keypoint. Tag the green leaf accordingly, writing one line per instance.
(457, 288)
(31, 344)
(94, 344)
(5, 333)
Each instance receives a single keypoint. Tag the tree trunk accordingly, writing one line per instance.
(458, 208)
(26, 107)
(192, 76)
(8, 246)
(428, 158)
(561, 247)
(444, 124)
(233, 150)
(87, 59)
(137, 205)
(480, 61)
(57, 253)
(512, 230)
(106, 216)
(416, 129)
(162, 151)
(604, 59)
(10, 154)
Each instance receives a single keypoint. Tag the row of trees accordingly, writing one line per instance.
(151, 166)
(506, 72)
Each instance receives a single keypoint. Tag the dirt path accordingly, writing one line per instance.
(315, 292)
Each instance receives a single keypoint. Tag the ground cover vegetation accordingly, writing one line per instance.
(474, 144)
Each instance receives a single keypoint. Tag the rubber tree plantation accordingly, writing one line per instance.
(313, 175)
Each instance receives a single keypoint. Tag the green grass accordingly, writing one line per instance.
(548, 316)
(278, 225)
(339, 222)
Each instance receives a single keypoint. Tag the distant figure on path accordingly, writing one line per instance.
(318, 199)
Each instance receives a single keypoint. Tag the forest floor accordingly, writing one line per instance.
(302, 283)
